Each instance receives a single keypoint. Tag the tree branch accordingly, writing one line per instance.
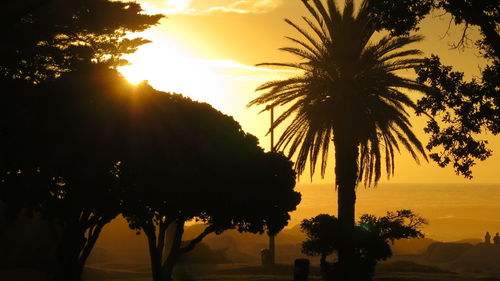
(477, 16)
(198, 239)
(462, 43)
(89, 245)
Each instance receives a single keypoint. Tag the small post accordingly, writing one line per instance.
(301, 270)
(264, 257)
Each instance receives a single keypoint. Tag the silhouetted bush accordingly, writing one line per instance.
(372, 238)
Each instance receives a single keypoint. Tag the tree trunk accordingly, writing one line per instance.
(175, 251)
(153, 253)
(346, 173)
(73, 241)
(272, 249)
(68, 267)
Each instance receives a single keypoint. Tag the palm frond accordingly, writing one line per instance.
(303, 44)
(304, 33)
(345, 82)
(303, 54)
(324, 15)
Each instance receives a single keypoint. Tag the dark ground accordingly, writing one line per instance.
(391, 271)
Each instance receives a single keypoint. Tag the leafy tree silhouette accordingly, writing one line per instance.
(372, 236)
(347, 92)
(83, 148)
(59, 157)
(191, 162)
(461, 109)
(45, 38)
(402, 17)
(69, 145)
(50, 162)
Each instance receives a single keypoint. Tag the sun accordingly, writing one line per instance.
(168, 68)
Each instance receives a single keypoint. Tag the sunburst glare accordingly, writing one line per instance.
(169, 68)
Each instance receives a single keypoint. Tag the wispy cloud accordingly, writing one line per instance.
(257, 6)
(237, 65)
(241, 72)
(167, 6)
(203, 7)
(247, 6)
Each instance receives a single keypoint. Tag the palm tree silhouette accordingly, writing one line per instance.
(347, 91)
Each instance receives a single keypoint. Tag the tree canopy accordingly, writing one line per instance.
(60, 143)
(192, 162)
(44, 38)
(55, 160)
(83, 148)
(461, 110)
(402, 17)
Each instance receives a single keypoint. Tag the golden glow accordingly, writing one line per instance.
(168, 68)
(231, 44)
(179, 4)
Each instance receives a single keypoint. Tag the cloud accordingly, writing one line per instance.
(258, 6)
(237, 65)
(223, 9)
(247, 7)
(203, 7)
(166, 6)
(237, 71)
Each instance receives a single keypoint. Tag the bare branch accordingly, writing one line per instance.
(464, 39)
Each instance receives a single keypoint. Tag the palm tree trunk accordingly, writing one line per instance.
(346, 173)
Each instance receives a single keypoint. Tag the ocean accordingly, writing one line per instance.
(454, 211)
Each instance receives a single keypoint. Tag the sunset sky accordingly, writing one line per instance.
(208, 49)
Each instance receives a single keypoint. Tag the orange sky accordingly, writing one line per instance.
(207, 49)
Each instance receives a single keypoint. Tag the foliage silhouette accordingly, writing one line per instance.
(463, 109)
(348, 92)
(401, 17)
(83, 148)
(46, 38)
(59, 156)
(372, 236)
(194, 163)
